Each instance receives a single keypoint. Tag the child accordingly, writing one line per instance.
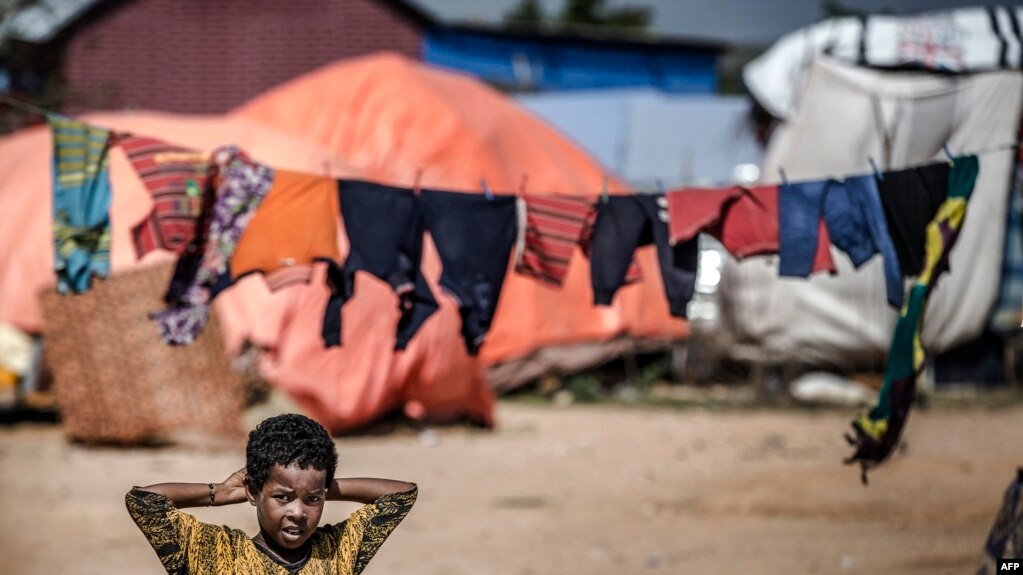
(288, 474)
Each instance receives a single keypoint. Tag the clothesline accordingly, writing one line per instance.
(854, 220)
(950, 158)
(29, 107)
(1001, 148)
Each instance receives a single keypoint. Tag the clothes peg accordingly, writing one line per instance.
(486, 189)
(660, 186)
(117, 137)
(193, 196)
(877, 172)
(784, 178)
(948, 154)
(603, 191)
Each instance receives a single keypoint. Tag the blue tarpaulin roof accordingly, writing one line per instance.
(537, 62)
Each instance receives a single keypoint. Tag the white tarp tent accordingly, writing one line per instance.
(846, 115)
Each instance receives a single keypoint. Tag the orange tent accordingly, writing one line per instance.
(392, 117)
(388, 118)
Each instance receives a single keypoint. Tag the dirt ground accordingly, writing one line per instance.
(595, 490)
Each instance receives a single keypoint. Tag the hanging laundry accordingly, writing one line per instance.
(695, 210)
(203, 270)
(474, 236)
(744, 220)
(176, 177)
(848, 113)
(385, 236)
(296, 225)
(801, 226)
(855, 223)
(625, 223)
(877, 432)
(553, 227)
(81, 203)
(910, 199)
(857, 202)
(750, 227)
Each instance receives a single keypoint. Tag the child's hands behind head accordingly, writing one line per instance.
(232, 489)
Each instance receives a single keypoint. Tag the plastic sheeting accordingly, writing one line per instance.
(845, 117)
(963, 40)
(391, 118)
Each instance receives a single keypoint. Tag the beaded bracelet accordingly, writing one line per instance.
(213, 497)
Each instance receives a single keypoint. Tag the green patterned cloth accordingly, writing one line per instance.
(878, 432)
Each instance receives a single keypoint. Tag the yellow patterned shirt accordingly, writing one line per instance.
(187, 546)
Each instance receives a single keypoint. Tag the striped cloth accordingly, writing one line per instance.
(554, 226)
(175, 177)
(203, 270)
(81, 203)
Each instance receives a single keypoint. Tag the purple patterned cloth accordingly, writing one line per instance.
(243, 185)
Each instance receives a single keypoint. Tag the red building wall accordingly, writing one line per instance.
(211, 55)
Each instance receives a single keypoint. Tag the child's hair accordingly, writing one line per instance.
(287, 439)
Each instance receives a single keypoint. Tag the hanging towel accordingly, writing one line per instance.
(81, 203)
(910, 199)
(878, 432)
(695, 210)
(203, 270)
(296, 225)
(176, 177)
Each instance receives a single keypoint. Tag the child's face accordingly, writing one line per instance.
(290, 504)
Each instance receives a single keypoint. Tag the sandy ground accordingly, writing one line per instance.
(574, 490)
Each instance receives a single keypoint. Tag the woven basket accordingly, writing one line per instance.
(116, 382)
